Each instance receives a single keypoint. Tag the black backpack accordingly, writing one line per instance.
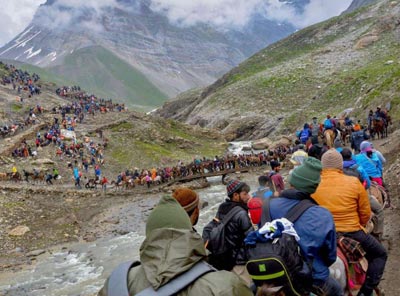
(214, 239)
(279, 261)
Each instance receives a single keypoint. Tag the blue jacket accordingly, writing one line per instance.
(315, 228)
(76, 173)
(360, 169)
(372, 166)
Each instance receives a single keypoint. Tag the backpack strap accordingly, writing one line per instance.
(292, 215)
(295, 212)
(179, 282)
(266, 216)
(118, 280)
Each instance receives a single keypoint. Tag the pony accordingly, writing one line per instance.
(92, 184)
(329, 136)
(118, 185)
(16, 177)
(388, 122)
(378, 128)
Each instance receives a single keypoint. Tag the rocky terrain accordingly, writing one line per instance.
(348, 64)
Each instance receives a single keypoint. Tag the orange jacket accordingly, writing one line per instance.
(345, 198)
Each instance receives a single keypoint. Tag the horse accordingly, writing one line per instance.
(388, 122)
(329, 136)
(92, 184)
(16, 177)
(118, 185)
(39, 177)
(378, 127)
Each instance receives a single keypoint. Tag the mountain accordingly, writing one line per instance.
(132, 52)
(348, 64)
(357, 4)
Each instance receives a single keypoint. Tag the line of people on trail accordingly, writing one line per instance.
(344, 131)
(277, 241)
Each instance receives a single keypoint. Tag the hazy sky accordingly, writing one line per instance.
(15, 15)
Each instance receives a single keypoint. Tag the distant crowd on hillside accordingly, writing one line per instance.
(89, 102)
(21, 81)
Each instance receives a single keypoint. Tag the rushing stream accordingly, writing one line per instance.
(81, 268)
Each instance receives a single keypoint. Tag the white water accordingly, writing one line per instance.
(81, 268)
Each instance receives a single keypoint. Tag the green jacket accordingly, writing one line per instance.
(168, 252)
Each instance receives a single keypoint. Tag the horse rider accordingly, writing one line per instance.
(330, 123)
(370, 161)
(351, 210)
(379, 114)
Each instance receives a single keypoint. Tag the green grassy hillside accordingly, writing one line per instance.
(348, 62)
(114, 78)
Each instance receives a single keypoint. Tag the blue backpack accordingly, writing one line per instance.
(304, 135)
(328, 123)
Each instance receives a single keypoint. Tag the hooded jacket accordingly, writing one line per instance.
(372, 166)
(168, 252)
(315, 228)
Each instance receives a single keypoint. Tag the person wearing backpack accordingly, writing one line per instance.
(305, 134)
(263, 191)
(170, 258)
(351, 210)
(232, 223)
(314, 227)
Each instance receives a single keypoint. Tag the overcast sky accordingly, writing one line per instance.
(15, 15)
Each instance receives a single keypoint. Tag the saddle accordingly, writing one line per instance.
(353, 257)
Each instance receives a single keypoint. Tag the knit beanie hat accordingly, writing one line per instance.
(168, 214)
(332, 159)
(365, 146)
(233, 186)
(306, 177)
(255, 209)
(189, 200)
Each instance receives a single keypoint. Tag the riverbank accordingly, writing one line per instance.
(99, 231)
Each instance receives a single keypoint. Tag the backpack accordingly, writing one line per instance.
(118, 280)
(353, 171)
(279, 261)
(304, 135)
(214, 239)
(328, 123)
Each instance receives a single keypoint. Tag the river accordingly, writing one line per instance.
(81, 268)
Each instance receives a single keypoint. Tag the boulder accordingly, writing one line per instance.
(41, 161)
(35, 253)
(284, 141)
(261, 144)
(366, 41)
(19, 230)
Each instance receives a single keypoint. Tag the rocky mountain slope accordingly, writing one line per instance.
(132, 52)
(350, 62)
